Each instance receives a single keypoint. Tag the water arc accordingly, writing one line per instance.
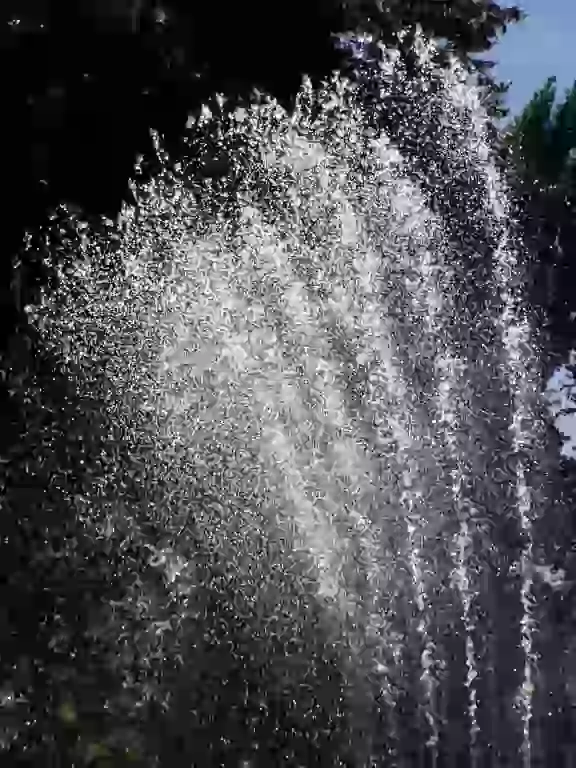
(325, 376)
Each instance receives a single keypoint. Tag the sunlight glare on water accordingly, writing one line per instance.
(325, 347)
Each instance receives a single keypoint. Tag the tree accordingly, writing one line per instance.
(468, 29)
(95, 75)
(543, 140)
(540, 144)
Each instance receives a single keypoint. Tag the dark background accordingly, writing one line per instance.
(82, 84)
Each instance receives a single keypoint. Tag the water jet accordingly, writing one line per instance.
(324, 380)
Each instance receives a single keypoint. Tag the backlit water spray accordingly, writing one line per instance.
(322, 371)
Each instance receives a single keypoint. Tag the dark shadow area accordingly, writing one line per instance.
(91, 83)
(269, 689)
(84, 81)
(52, 577)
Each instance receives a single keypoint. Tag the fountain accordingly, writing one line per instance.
(323, 475)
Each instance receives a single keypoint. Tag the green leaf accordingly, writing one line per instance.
(96, 751)
(67, 713)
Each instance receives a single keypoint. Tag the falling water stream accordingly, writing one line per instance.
(324, 373)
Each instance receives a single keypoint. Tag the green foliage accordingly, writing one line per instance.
(469, 26)
(542, 140)
(539, 146)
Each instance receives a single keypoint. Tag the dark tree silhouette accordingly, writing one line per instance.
(85, 80)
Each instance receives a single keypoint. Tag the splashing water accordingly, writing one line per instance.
(323, 371)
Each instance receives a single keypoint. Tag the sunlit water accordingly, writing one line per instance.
(326, 380)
